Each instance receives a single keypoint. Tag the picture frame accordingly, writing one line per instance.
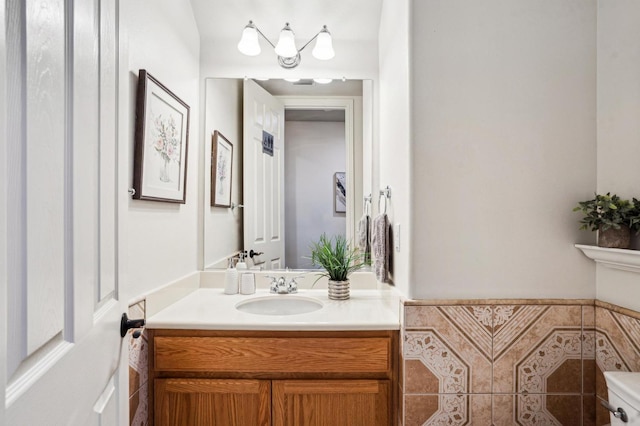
(340, 192)
(221, 170)
(161, 143)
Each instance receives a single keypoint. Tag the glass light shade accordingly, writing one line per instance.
(323, 80)
(324, 47)
(286, 46)
(249, 44)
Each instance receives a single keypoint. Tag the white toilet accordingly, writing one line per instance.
(624, 393)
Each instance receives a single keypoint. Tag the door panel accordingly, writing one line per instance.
(263, 176)
(63, 350)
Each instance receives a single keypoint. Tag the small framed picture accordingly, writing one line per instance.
(340, 192)
(221, 168)
(161, 141)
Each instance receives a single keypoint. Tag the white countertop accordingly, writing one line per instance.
(211, 309)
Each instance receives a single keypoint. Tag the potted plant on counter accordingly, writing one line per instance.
(612, 217)
(339, 260)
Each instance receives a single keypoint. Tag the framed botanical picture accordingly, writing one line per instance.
(161, 141)
(221, 168)
(340, 192)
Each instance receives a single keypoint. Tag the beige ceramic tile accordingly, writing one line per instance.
(502, 410)
(419, 379)
(601, 385)
(617, 348)
(431, 410)
(547, 410)
(588, 349)
(454, 346)
(588, 410)
(137, 310)
(613, 350)
(537, 344)
(401, 367)
(419, 408)
(602, 415)
(139, 408)
(138, 362)
(480, 406)
(134, 381)
(588, 316)
(566, 409)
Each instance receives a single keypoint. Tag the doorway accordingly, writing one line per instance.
(315, 177)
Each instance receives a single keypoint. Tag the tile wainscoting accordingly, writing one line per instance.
(512, 362)
(489, 362)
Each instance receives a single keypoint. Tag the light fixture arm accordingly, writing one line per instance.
(314, 37)
(263, 36)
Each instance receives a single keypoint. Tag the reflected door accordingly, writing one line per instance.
(263, 176)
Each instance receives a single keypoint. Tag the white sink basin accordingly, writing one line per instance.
(279, 305)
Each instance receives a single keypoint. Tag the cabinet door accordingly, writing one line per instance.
(202, 402)
(331, 402)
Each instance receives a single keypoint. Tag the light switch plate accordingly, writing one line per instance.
(396, 237)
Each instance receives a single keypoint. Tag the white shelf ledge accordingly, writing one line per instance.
(626, 260)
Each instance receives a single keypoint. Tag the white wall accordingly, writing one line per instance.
(222, 226)
(314, 151)
(618, 126)
(353, 60)
(158, 241)
(503, 119)
(393, 162)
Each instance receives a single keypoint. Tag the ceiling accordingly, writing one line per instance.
(350, 20)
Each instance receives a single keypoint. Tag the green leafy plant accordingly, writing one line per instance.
(634, 216)
(337, 258)
(609, 211)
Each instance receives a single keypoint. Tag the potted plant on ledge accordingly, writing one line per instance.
(339, 260)
(612, 217)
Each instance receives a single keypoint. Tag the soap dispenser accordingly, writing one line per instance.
(241, 266)
(231, 279)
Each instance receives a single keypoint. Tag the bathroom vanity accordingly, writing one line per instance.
(213, 364)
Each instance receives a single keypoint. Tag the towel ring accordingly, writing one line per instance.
(366, 203)
(386, 193)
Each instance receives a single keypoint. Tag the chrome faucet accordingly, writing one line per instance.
(280, 285)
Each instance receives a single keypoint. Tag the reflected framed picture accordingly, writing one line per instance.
(340, 192)
(161, 142)
(221, 168)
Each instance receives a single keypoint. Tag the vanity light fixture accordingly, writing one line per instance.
(285, 49)
(323, 80)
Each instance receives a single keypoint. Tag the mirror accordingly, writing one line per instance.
(326, 146)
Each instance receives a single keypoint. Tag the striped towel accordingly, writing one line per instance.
(364, 237)
(380, 247)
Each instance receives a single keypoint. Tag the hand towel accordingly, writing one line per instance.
(380, 246)
(364, 237)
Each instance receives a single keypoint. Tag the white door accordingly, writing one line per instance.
(62, 352)
(263, 177)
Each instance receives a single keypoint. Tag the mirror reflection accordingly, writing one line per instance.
(296, 168)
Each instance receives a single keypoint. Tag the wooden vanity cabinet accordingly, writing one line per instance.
(237, 378)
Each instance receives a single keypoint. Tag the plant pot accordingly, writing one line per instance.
(338, 290)
(615, 238)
